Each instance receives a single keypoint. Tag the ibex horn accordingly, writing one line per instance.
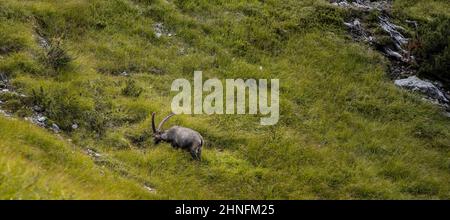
(153, 122)
(164, 121)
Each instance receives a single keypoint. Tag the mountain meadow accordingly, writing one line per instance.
(81, 78)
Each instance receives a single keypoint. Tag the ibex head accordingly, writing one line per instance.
(158, 134)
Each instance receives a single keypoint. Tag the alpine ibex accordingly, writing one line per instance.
(178, 137)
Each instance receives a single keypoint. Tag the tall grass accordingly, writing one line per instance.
(345, 131)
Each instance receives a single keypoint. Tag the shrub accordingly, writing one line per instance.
(95, 120)
(433, 50)
(40, 98)
(56, 56)
(131, 89)
(65, 108)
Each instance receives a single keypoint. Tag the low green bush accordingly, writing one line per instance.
(433, 49)
(56, 57)
(132, 89)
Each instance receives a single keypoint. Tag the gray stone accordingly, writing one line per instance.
(41, 119)
(55, 128)
(392, 30)
(43, 42)
(358, 31)
(156, 70)
(6, 114)
(37, 108)
(125, 73)
(150, 189)
(3, 78)
(93, 153)
(394, 54)
(160, 30)
(415, 84)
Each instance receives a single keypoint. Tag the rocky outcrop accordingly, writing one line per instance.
(3, 81)
(415, 84)
(395, 48)
(37, 117)
(358, 32)
(160, 30)
(401, 68)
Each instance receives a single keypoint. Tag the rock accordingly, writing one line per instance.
(38, 119)
(415, 84)
(392, 30)
(447, 114)
(156, 70)
(354, 25)
(393, 54)
(400, 58)
(342, 3)
(182, 51)
(43, 42)
(397, 39)
(5, 113)
(55, 128)
(3, 78)
(37, 108)
(93, 153)
(160, 30)
(149, 188)
(358, 31)
(398, 70)
(3, 84)
(362, 5)
(124, 73)
(414, 23)
(41, 119)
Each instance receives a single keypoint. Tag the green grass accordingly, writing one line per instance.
(38, 165)
(345, 131)
(422, 9)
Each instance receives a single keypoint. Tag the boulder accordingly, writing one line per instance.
(55, 128)
(415, 84)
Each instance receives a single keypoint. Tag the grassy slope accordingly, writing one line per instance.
(419, 9)
(37, 165)
(345, 131)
